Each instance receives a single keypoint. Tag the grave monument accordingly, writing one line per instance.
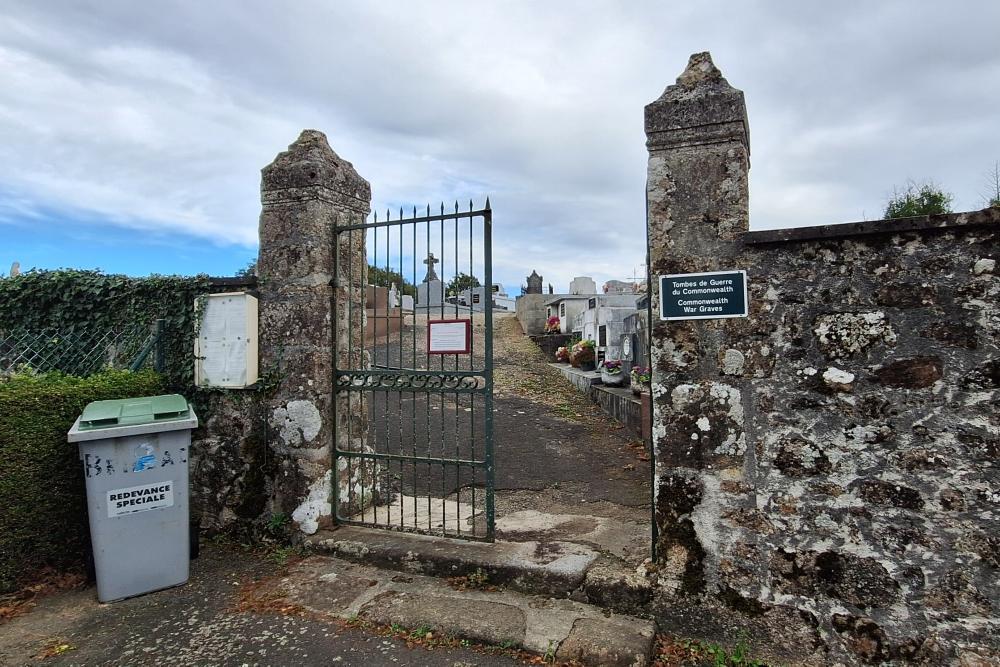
(430, 291)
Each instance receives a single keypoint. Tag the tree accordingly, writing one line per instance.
(462, 282)
(917, 199)
(249, 270)
(992, 195)
(387, 277)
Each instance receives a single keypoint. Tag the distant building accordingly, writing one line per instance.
(620, 287)
(566, 307)
(602, 320)
(583, 285)
(475, 298)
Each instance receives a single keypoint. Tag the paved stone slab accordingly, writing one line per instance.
(609, 642)
(552, 568)
(329, 591)
(481, 621)
(624, 539)
(535, 623)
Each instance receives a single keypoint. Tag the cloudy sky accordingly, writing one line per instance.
(132, 133)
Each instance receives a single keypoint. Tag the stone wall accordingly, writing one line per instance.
(530, 309)
(267, 452)
(830, 462)
(549, 343)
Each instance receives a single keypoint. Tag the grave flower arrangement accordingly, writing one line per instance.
(641, 378)
(582, 355)
(562, 354)
(612, 373)
(552, 325)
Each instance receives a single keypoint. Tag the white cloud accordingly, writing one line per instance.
(162, 119)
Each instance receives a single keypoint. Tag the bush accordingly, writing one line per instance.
(43, 512)
(923, 199)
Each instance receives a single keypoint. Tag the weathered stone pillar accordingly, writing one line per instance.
(306, 193)
(696, 190)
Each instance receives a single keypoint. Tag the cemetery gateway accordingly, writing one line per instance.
(798, 445)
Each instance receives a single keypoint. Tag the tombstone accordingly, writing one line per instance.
(534, 283)
(583, 285)
(376, 298)
(430, 294)
(407, 302)
(393, 296)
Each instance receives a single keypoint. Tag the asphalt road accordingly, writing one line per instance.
(202, 623)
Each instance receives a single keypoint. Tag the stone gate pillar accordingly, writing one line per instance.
(306, 192)
(697, 200)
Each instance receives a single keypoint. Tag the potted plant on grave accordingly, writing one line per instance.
(582, 355)
(640, 380)
(552, 325)
(612, 373)
(562, 355)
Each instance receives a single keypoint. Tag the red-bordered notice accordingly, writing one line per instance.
(449, 337)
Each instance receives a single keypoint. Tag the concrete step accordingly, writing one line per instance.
(559, 628)
(545, 567)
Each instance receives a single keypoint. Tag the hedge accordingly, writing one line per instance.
(43, 516)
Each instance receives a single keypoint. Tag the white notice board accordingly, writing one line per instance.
(225, 348)
(449, 337)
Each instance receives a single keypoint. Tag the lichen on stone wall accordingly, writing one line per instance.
(298, 422)
(845, 335)
(314, 507)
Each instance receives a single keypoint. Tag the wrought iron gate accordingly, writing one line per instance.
(421, 458)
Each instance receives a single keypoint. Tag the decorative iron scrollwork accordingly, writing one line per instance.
(362, 380)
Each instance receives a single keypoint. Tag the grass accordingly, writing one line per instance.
(522, 370)
(674, 652)
(283, 555)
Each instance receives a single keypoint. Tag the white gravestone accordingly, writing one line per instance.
(430, 294)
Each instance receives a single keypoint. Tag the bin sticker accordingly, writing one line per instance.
(140, 498)
(145, 459)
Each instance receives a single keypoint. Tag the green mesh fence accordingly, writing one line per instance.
(79, 353)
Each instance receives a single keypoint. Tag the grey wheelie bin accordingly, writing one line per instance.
(135, 461)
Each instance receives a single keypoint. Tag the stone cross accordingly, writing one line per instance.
(430, 262)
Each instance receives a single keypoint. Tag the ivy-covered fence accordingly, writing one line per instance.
(90, 303)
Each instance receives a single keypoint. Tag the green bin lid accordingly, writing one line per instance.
(133, 411)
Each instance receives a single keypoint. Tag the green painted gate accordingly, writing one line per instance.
(421, 459)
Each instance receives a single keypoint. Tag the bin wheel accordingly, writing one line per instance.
(88, 563)
(194, 535)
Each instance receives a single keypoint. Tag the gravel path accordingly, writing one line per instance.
(547, 435)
